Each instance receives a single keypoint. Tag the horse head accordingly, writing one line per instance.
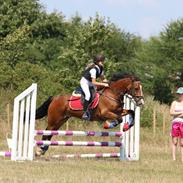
(127, 84)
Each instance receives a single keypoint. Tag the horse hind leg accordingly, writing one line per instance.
(41, 150)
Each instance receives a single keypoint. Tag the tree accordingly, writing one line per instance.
(13, 46)
(16, 13)
(162, 90)
(172, 44)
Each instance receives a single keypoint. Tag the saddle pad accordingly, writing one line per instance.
(75, 102)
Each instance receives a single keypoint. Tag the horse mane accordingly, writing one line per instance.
(122, 75)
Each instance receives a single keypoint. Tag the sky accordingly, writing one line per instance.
(143, 18)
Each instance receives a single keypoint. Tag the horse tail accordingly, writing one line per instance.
(43, 109)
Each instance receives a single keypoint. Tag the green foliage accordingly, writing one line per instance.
(161, 60)
(15, 13)
(154, 112)
(48, 26)
(162, 90)
(172, 44)
(25, 74)
(13, 46)
(6, 75)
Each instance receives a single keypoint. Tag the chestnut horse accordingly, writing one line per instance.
(110, 106)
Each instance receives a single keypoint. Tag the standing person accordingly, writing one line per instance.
(89, 82)
(176, 110)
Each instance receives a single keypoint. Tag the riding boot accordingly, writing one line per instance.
(86, 115)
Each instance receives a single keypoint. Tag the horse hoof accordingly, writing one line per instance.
(106, 125)
(125, 127)
(39, 152)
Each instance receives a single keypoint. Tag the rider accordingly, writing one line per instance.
(88, 81)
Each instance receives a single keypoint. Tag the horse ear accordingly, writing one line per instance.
(133, 78)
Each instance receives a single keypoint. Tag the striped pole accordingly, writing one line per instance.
(5, 154)
(97, 155)
(77, 143)
(77, 133)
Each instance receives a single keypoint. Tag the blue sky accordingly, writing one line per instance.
(140, 17)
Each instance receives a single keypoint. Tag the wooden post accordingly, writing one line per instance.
(154, 121)
(8, 115)
(164, 123)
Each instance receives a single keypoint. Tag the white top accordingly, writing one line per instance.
(178, 108)
(93, 72)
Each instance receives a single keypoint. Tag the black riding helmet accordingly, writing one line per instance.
(98, 58)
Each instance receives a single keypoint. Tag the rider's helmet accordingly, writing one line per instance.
(98, 58)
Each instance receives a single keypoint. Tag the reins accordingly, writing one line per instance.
(121, 93)
(101, 92)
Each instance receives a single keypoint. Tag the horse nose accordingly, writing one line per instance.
(139, 102)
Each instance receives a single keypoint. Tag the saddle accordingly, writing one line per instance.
(77, 98)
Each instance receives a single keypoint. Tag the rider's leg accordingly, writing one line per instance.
(86, 114)
(86, 90)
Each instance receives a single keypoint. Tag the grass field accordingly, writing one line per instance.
(155, 164)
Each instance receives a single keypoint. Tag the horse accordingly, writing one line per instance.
(109, 106)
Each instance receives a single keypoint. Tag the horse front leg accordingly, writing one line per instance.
(128, 124)
(117, 119)
(43, 148)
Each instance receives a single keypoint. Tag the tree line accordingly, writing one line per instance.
(46, 48)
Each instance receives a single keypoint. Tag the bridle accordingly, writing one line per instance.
(132, 92)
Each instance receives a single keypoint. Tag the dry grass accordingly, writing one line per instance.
(155, 164)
